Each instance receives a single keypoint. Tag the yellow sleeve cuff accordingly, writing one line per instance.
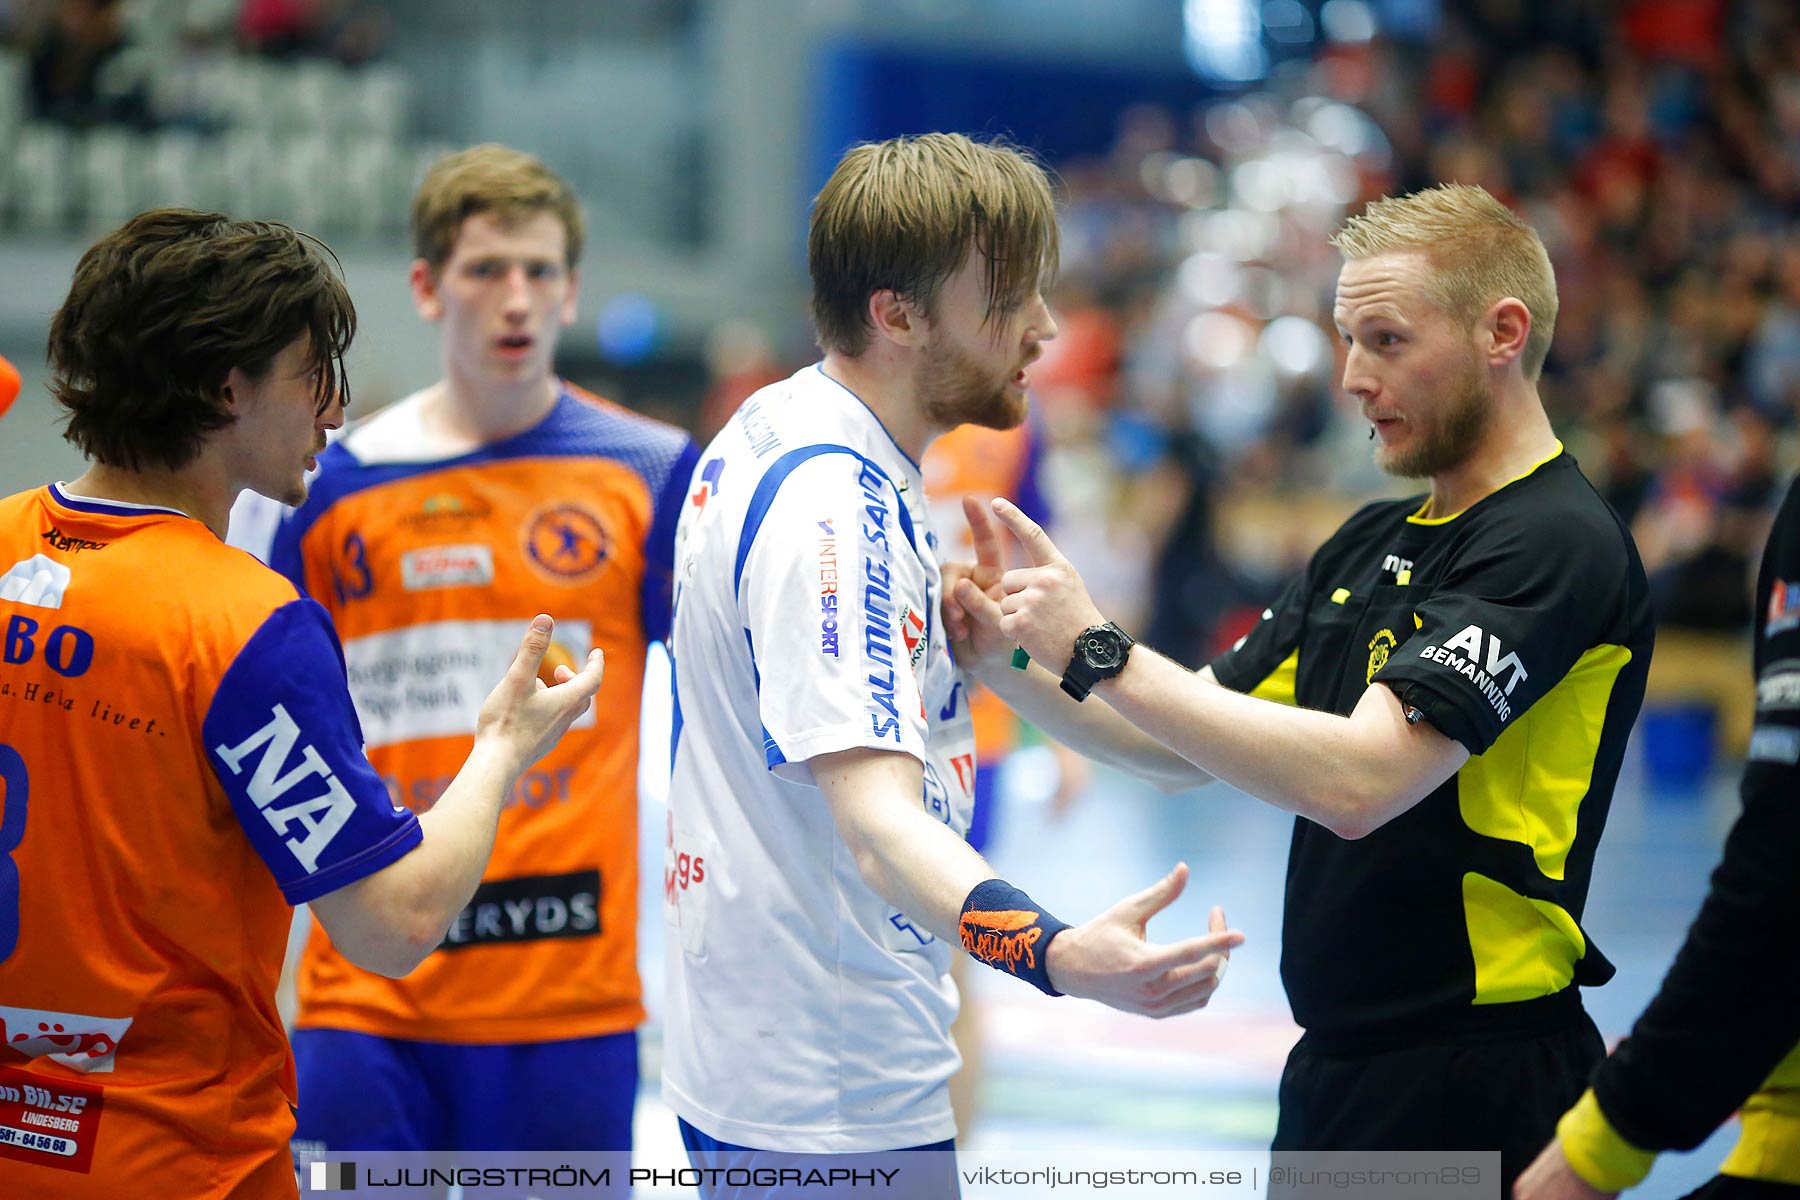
(1597, 1152)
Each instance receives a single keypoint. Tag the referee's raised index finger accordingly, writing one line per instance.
(1031, 535)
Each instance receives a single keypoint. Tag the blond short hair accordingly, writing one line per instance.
(1480, 251)
(490, 178)
(904, 214)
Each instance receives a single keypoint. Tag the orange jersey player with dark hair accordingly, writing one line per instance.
(143, 936)
(179, 759)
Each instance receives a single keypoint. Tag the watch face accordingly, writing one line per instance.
(1101, 648)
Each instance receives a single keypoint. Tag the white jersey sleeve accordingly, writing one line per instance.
(837, 611)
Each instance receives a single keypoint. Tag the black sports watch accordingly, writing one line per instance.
(1100, 653)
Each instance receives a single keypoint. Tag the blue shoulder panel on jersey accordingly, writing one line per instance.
(283, 738)
(654, 450)
(777, 474)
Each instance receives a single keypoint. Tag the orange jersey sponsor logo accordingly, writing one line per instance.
(567, 542)
(79, 1042)
(442, 511)
(49, 1122)
(447, 567)
(1004, 938)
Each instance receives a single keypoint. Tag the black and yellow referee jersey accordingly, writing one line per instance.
(1725, 1024)
(1521, 627)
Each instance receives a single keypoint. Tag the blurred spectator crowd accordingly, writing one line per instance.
(98, 62)
(1201, 446)
(1198, 445)
(108, 107)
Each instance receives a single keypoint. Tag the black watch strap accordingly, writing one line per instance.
(1100, 653)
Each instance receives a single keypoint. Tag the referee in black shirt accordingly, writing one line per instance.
(1460, 670)
(1723, 1034)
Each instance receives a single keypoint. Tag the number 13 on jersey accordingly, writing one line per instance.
(14, 792)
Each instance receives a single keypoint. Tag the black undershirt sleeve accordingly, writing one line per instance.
(1729, 1009)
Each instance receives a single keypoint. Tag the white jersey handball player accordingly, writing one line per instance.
(817, 880)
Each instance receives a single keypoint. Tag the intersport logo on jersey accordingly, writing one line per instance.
(828, 590)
